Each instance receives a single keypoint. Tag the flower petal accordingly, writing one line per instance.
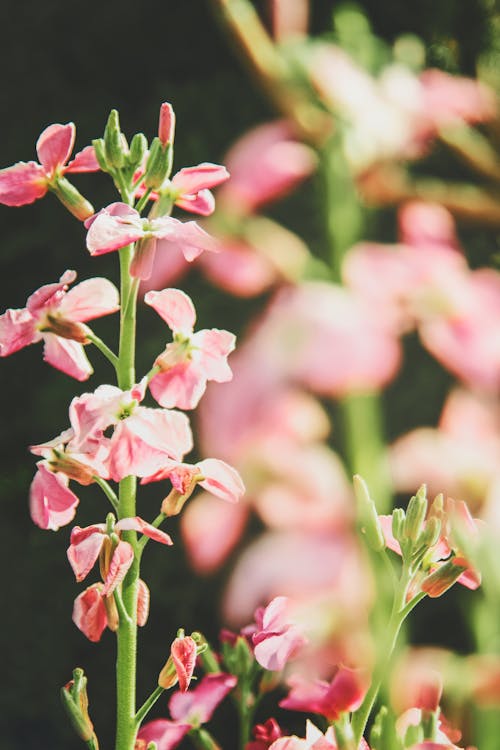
(23, 183)
(90, 299)
(175, 307)
(66, 355)
(89, 612)
(84, 161)
(221, 479)
(17, 330)
(123, 557)
(52, 504)
(138, 524)
(193, 179)
(54, 146)
(84, 550)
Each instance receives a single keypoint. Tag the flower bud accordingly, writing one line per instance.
(100, 153)
(166, 124)
(180, 664)
(138, 147)
(368, 514)
(238, 656)
(415, 515)
(158, 164)
(142, 603)
(111, 612)
(72, 199)
(73, 469)
(398, 520)
(67, 329)
(175, 500)
(75, 701)
(114, 148)
(414, 735)
(443, 577)
(431, 532)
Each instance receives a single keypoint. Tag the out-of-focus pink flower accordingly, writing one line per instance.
(143, 438)
(344, 693)
(289, 19)
(191, 359)
(265, 164)
(56, 316)
(25, 182)
(264, 735)
(197, 706)
(314, 740)
(119, 225)
(445, 737)
(276, 639)
(87, 543)
(461, 457)
(52, 504)
(165, 733)
(449, 100)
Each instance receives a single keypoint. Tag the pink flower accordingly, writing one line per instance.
(183, 652)
(81, 466)
(52, 504)
(197, 706)
(344, 693)
(192, 358)
(265, 164)
(26, 182)
(119, 225)
(264, 735)
(276, 639)
(55, 316)
(88, 543)
(143, 438)
(216, 477)
(90, 610)
(314, 740)
(165, 733)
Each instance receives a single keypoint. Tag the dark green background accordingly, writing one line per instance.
(64, 61)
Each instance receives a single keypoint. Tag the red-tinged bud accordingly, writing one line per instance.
(168, 675)
(75, 701)
(72, 468)
(67, 329)
(72, 199)
(443, 577)
(111, 612)
(183, 652)
(166, 125)
(142, 603)
(175, 500)
(429, 691)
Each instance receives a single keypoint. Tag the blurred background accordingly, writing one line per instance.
(65, 64)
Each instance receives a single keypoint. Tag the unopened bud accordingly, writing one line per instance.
(158, 164)
(431, 532)
(443, 577)
(111, 613)
(414, 735)
(398, 520)
(72, 199)
(368, 513)
(166, 124)
(75, 701)
(105, 556)
(66, 329)
(138, 148)
(100, 153)
(415, 515)
(114, 149)
(143, 598)
(175, 500)
(60, 461)
(180, 664)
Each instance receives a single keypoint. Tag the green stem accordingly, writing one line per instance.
(103, 348)
(156, 523)
(108, 491)
(142, 201)
(399, 612)
(148, 705)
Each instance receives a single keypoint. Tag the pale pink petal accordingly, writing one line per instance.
(84, 161)
(17, 330)
(50, 295)
(275, 651)
(391, 542)
(143, 598)
(111, 231)
(117, 209)
(186, 236)
(239, 269)
(89, 612)
(52, 504)
(144, 258)
(90, 299)
(175, 307)
(83, 553)
(166, 734)
(167, 431)
(203, 203)
(138, 524)
(214, 346)
(23, 183)
(66, 355)
(123, 557)
(198, 705)
(180, 386)
(129, 455)
(193, 179)
(54, 146)
(221, 480)
(210, 530)
(167, 269)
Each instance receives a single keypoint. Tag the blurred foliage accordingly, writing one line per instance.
(59, 65)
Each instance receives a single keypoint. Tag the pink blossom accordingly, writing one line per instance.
(276, 640)
(55, 316)
(264, 735)
(82, 466)
(266, 164)
(216, 477)
(449, 100)
(183, 652)
(26, 182)
(87, 543)
(165, 733)
(197, 706)
(52, 504)
(189, 187)
(89, 612)
(119, 225)
(191, 359)
(345, 692)
(143, 438)
(314, 740)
